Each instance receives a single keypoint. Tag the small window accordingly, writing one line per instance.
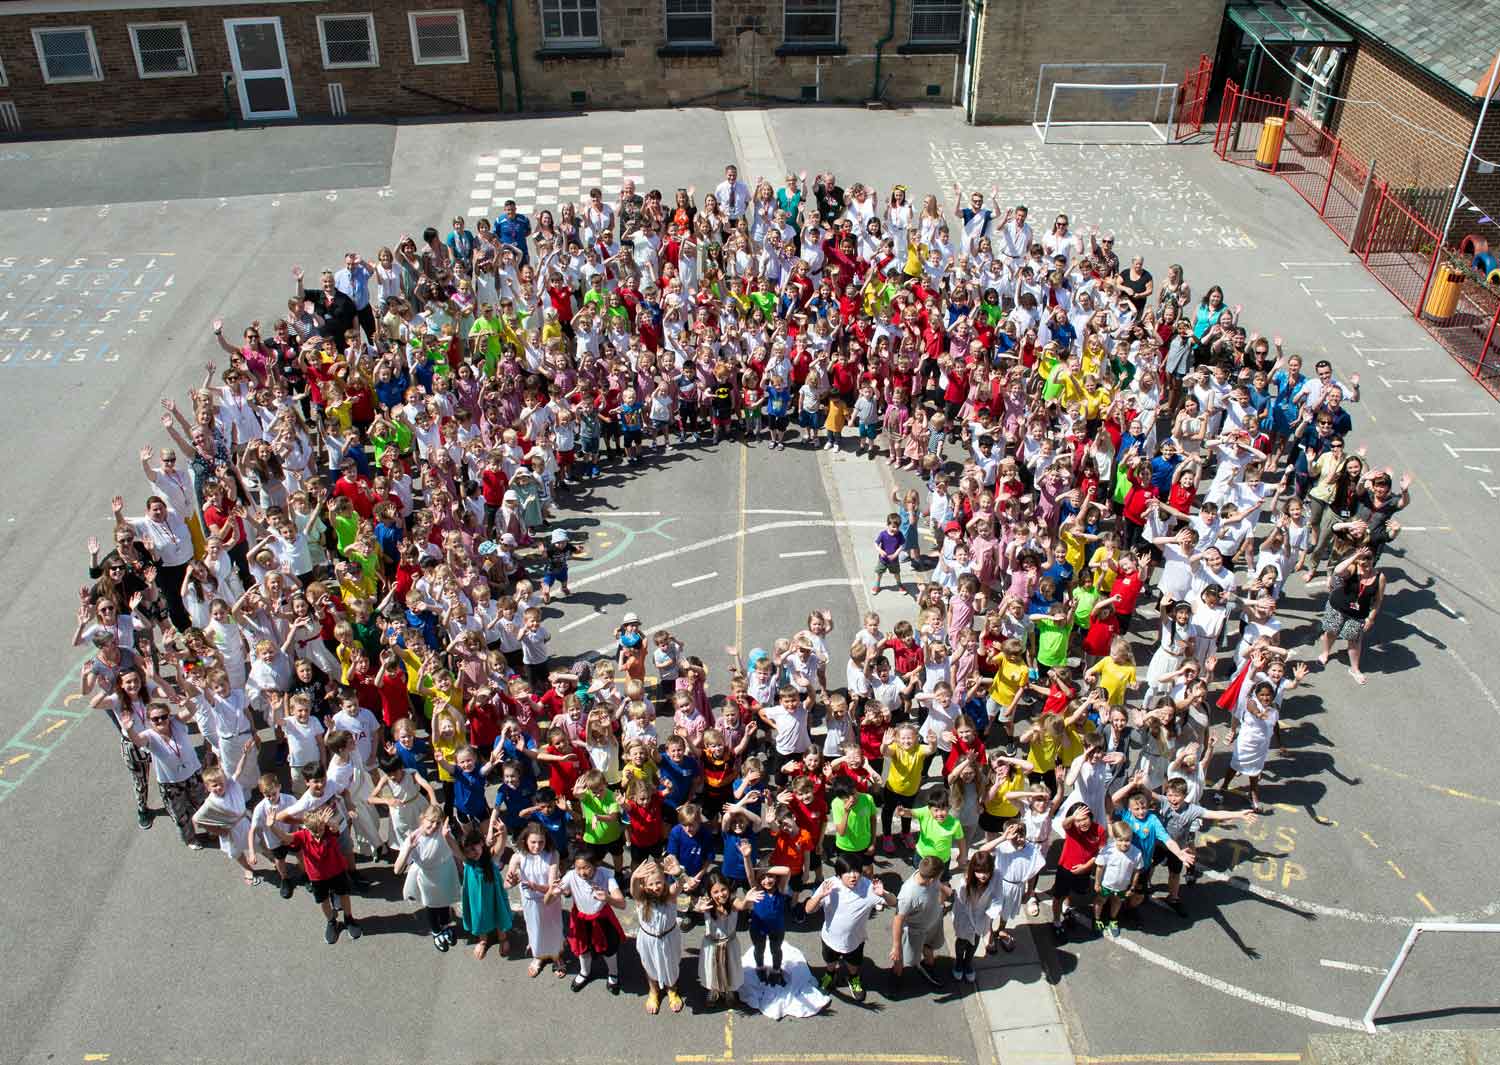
(3, 81)
(812, 22)
(162, 49)
(690, 21)
(67, 53)
(937, 21)
(348, 41)
(570, 22)
(438, 37)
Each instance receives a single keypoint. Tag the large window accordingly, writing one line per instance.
(348, 41)
(67, 53)
(812, 22)
(162, 49)
(690, 21)
(570, 22)
(438, 37)
(937, 21)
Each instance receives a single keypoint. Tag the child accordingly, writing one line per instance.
(534, 654)
(631, 655)
(974, 908)
(687, 845)
(769, 905)
(262, 839)
(852, 814)
(888, 547)
(327, 868)
(678, 775)
(593, 928)
(603, 833)
(222, 815)
(719, 965)
(939, 831)
(1017, 862)
(1118, 863)
(432, 878)
(917, 928)
(646, 831)
(903, 779)
(534, 868)
(659, 943)
(847, 899)
(400, 791)
(487, 914)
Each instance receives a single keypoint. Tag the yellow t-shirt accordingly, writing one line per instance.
(1074, 546)
(1102, 562)
(1000, 805)
(1009, 679)
(1046, 755)
(1115, 679)
(903, 774)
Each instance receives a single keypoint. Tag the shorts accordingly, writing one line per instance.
(1111, 893)
(853, 958)
(777, 422)
(565, 459)
(632, 437)
(334, 885)
(1167, 858)
(1069, 884)
(990, 823)
(891, 566)
(661, 426)
(555, 577)
(278, 853)
(808, 419)
(869, 430)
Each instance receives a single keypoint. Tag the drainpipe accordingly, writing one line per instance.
(890, 33)
(972, 48)
(515, 52)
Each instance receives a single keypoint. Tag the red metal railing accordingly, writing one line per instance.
(1242, 118)
(1192, 97)
(1400, 249)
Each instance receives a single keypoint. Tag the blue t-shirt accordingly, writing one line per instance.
(769, 914)
(513, 755)
(677, 780)
(732, 864)
(556, 825)
(1162, 469)
(778, 401)
(1147, 832)
(510, 801)
(688, 850)
(468, 794)
(415, 757)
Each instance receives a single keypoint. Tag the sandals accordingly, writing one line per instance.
(534, 969)
(653, 1002)
(1000, 941)
(674, 1000)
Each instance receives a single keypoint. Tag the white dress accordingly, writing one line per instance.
(972, 917)
(1252, 745)
(719, 963)
(660, 942)
(230, 643)
(407, 814)
(544, 920)
(1014, 868)
(432, 874)
(1168, 656)
(798, 997)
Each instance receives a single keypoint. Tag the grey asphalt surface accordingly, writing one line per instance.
(114, 933)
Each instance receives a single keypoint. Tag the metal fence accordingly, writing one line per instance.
(1400, 249)
(1192, 98)
(1242, 118)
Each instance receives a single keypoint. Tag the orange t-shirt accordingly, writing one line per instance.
(790, 850)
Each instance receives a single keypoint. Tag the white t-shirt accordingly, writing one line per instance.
(791, 728)
(363, 726)
(302, 740)
(582, 891)
(846, 914)
(260, 820)
(1119, 866)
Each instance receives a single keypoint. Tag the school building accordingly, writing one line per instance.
(113, 64)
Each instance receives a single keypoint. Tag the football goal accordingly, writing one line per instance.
(1103, 103)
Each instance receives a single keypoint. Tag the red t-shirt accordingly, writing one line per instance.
(395, 702)
(563, 775)
(323, 858)
(645, 828)
(1128, 587)
(791, 850)
(1101, 631)
(1079, 847)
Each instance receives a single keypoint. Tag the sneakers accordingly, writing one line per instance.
(857, 988)
(355, 928)
(908, 840)
(613, 983)
(826, 984)
(331, 931)
(969, 975)
(888, 845)
(287, 887)
(1113, 928)
(440, 942)
(143, 818)
(776, 978)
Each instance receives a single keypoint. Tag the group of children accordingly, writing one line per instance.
(343, 571)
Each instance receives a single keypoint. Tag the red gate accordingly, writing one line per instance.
(1242, 116)
(1192, 96)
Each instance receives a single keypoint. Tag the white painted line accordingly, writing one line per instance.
(1304, 905)
(1350, 967)
(481, 194)
(1361, 349)
(695, 580)
(1339, 262)
(485, 177)
(1437, 380)
(1310, 291)
(1455, 414)
(551, 152)
(510, 153)
(1365, 317)
(793, 513)
(1453, 451)
(724, 538)
(479, 212)
(1298, 277)
(1333, 1020)
(635, 147)
(621, 514)
(730, 604)
(487, 160)
(1446, 609)
(810, 554)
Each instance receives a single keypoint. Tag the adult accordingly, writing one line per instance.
(1356, 590)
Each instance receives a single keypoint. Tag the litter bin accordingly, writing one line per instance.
(1442, 297)
(1268, 151)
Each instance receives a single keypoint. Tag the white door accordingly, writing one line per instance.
(966, 88)
(260, 68)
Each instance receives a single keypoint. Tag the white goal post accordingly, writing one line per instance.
(1417, 930)
(1044, 127)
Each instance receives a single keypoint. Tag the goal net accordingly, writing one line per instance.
(1103, 103)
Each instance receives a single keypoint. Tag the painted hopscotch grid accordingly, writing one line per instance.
(78, 309)
(551, 176)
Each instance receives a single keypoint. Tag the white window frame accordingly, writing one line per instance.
(4, 81)
(666, 25)
(563, 43)
(838, 28)
(187, 44)
(958, 39)
(369, 18)
(463, 36)
(38, 32)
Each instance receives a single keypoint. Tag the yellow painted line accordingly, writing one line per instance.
(869, 1059)
(694, 1057)
(739, 554)
(51, 729)
(69, 700)
(18, 759)
(1164, 1059)
(1396, 869)
(1439, 788)
(1369, 839)
(1423, 900)
(96, 1057)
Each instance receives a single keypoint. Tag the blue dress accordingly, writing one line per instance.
(486, 905)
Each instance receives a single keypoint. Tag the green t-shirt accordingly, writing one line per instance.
(345, 528)
(936, 839)
(859, 832)
(1085, 597)
(1052, 641)
(596, 830)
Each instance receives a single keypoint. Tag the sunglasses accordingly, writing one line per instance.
(159, 720)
